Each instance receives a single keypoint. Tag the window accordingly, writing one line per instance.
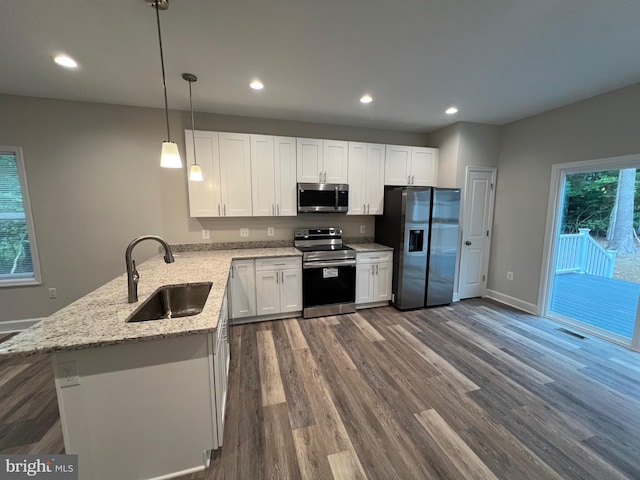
(18, 254)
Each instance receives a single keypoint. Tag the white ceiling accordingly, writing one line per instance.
(497, 60)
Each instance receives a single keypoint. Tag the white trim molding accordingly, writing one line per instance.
(18, 325)
(514, 302)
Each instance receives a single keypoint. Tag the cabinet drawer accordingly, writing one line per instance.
(279, 263)
(374, 257)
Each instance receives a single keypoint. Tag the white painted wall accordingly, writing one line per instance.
(603, 126)
(95, 183)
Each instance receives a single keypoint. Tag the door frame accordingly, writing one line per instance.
(556, 195)
(463, 216)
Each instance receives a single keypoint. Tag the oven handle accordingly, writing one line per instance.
(334, 263)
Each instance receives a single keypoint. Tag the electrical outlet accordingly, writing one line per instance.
(363, 228)
(271, 232)
(205, 234)
(509, 275)
(53, 293)
(244, 232)
(68, 374)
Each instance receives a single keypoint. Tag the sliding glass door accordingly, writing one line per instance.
(594, 279)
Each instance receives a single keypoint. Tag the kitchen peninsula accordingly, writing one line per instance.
(144, 399)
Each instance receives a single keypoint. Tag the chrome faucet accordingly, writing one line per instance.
(132, 274)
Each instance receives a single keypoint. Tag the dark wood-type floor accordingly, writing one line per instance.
(474, 391)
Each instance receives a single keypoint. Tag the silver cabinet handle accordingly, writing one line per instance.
(413, 179)
(282, 273)
(218, 209)
(364, 208)
(277, 277)
(377, 269)
(368, 209)
(408, 179)
(224, 209)
(325, 176)
(272, 210)
(277, 209)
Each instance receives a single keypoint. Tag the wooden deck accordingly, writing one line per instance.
(606, 303)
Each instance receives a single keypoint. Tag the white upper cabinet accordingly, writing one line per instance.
(226, 167)
(235, 174)
(414, 166)
(322, 161)
(366, 178)
(273, 174)
(204, 197)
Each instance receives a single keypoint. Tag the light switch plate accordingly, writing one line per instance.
(244, 232)
(271, 231)
(363, 228)
(205, 234)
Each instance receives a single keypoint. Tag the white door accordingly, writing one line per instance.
(357, 178)
(476, 231)
(383, 281)
(285, 163)
(243, 289)
(375, 178)
(423, 166)
(309, 160)
(364, 282)
(335, 161)
(235, 174)
(263, 176)
(398, 158)
(268, 292)
(291, 290)
(204, 197)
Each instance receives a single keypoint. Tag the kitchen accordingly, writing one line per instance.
(97, 163)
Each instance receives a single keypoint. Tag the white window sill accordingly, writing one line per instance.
(19, 282)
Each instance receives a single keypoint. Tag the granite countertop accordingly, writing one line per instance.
(369, 247)
(98, 318)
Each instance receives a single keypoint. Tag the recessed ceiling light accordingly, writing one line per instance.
(256, 85)
(65, 61)
(451, 110)
(366, 99)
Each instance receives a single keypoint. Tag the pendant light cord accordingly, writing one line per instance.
(193, 132)
(164, 80)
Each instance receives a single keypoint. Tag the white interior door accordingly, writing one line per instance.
(476, 231)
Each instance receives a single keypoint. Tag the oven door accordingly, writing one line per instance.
(328, 287)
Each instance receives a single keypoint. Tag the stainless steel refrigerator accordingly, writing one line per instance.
(421, 224)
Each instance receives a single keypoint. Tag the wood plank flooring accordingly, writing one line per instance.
(475, 390)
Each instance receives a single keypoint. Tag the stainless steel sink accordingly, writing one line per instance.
(173, 301)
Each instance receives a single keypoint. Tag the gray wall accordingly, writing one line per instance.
(600, 127)
(95, 183)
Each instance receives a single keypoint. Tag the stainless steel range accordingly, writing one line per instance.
(328, 272)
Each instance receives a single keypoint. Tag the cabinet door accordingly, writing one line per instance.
(235, 174)
(382, 290)
(309, 160)
(285, 176)
(268, 292)
(374, 179)
(357, 178)
(397, 162)
(290, 290)
(335, 161)
(424, 166)
(263, 176)
(364, 283)
(243, 289)
(204, 197)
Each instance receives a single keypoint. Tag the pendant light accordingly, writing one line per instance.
(170, 157)
(195, 172)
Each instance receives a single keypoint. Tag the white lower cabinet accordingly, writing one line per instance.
(373, 277)
(242, 281)
(221, 360)
(278, 285)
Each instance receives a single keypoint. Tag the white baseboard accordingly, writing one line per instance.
(513, 302)
(456, 296)
(17, 325)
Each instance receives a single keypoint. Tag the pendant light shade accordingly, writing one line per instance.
(195, 172)
(170, 157)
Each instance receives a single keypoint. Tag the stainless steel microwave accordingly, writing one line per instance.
(323, 197)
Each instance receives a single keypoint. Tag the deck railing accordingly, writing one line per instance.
(579, 253)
